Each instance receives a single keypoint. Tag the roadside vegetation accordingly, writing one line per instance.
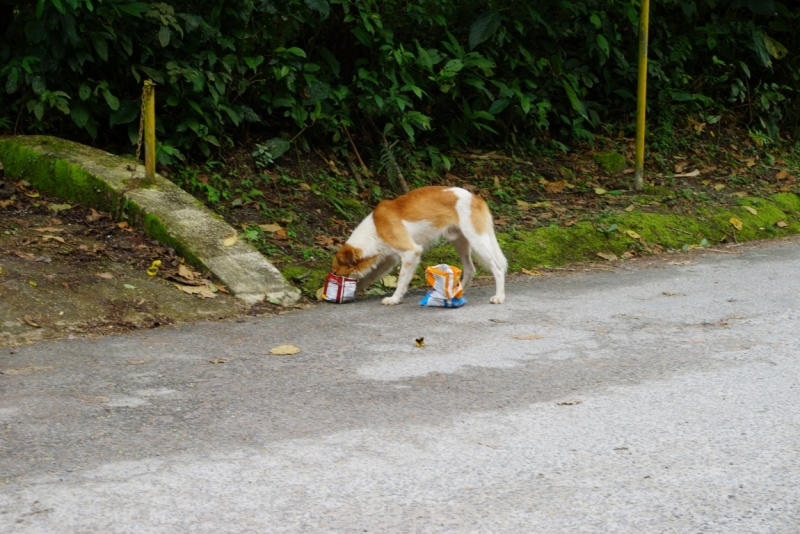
(293, 118)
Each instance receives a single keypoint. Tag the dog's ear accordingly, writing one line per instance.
(346, 256)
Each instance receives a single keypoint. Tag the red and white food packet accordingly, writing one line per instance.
(339, 289)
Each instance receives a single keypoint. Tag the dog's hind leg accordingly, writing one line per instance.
(461, 244)
(410, 260)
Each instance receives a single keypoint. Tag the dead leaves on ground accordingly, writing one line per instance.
(284, 350)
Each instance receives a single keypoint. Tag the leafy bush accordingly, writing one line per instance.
(445, 73)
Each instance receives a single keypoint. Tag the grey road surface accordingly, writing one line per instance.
(651, 399)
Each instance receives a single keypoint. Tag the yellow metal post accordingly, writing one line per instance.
(149, 132)
(641, 97)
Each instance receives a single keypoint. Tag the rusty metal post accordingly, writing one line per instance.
(149, 132)
(641, 97)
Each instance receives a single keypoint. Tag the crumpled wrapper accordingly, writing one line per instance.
(444, 287)
(339, 289)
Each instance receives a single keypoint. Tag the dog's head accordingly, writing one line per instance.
(349, 262)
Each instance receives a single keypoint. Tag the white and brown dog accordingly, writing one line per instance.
(400, 229)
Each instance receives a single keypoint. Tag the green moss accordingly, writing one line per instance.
(314, 280)
(55, 176)
(611, 162)
(788, 202)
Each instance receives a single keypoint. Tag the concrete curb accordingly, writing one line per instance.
(96, 178)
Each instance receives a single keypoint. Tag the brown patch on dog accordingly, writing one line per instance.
(433, 204)
(348, 262)
(480, 215)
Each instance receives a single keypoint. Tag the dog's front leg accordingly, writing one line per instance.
(407, 268)
(382, 269)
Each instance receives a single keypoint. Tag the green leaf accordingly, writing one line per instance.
(164, 34)
(277, 146)
(297, 51)
(330, 60)
(499, 105)
(38, 85)
(59, 6)
(100, 45)
(111, 100)
(595, 19)
(38, 110)
(128, 111)
(483, 27)
(774, 48)
(681, 96)
(80, 115)
(577, 105)
(84, 92)
(320, 6)
(602, 43)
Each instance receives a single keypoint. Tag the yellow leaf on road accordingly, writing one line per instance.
(229, 242)
(751, 210)
(153, 269)
(284, 350)
(736, 223)
(420, 342)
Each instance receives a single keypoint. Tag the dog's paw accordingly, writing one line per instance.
(390, 301)
(497, 299)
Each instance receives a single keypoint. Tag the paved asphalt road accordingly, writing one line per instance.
(654, 399)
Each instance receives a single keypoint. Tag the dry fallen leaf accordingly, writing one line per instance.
(572, 402)
(532, 336)
(523, 206)
(5, 203)
(123, 225)
(218, 360)
(531, 273)
(320, 294)
(230, 241)
(420, 342)
(50, 229)
(284, 350)
(600, 191)
(94, 216)
(608, 256)
(750, 162)
(688, 174)
(719, 187)
(781, 175)
(185, 272)
(53, 238)
(31, 322)
(673, 294)
(680, 166)
(272, 228)
(630, 208)
(389, 281)
(556, 187)
(305, 187)
(751, 210)
(781, 224)
(633, 234)
(739, 194)
(105, 276)
(736, 223)
(201, 291)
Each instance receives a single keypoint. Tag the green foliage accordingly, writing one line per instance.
(439, 73)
